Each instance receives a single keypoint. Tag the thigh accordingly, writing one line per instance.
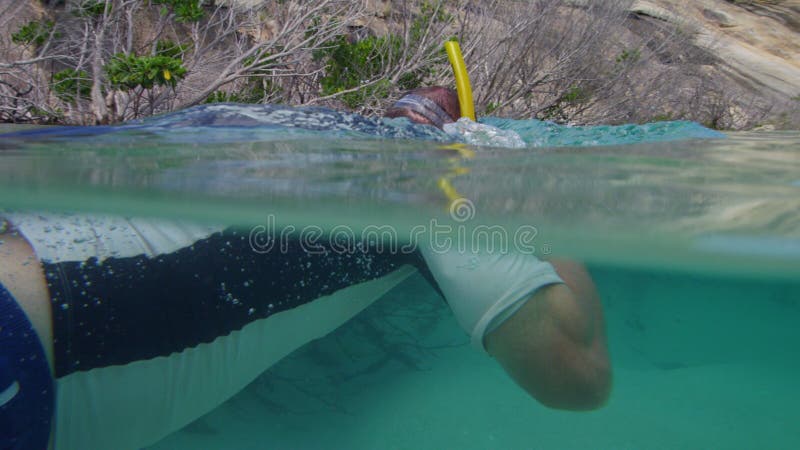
(22, 274)
(26, 380)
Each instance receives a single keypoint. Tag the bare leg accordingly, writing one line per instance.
(554, 347)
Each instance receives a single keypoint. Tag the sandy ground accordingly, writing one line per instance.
(715, 369)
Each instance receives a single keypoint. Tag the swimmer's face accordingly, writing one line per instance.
(434, 106)
(412, 116)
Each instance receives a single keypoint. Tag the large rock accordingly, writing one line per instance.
(756, 42)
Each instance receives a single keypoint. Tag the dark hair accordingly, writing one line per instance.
(446, 98)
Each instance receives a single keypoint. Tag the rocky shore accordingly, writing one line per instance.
(728, 64)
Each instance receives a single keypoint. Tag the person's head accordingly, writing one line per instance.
(435, 105)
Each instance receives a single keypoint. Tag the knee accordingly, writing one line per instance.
(582, 384)
(555, 349)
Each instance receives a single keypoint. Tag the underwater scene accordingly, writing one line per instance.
(691, 236)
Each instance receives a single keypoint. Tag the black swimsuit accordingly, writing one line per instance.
(124, 309)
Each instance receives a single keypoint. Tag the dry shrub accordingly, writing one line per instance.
(550, 59)
(571, 61)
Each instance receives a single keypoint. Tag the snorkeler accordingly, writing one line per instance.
(115, 332)
(551, 343)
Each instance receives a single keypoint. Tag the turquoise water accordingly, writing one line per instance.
(694, 198)
(699, 362)
(692, 237)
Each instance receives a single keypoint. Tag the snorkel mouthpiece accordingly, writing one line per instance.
(462, 79)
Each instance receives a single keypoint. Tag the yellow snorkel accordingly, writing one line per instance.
(465, 102)
(467, 106)
(463, 87)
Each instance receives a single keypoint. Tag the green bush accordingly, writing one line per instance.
(91, 8)
(33, 32)
(253, 93)
(350, 64)
(558, 110)
(131, 71)
(575, 94)
(222, 97)
(170, 49)
(629, 55)
(255, 89)
(69, 82)
(185, 10)
(429, 12)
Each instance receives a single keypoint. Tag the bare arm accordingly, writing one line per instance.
(554, 347)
